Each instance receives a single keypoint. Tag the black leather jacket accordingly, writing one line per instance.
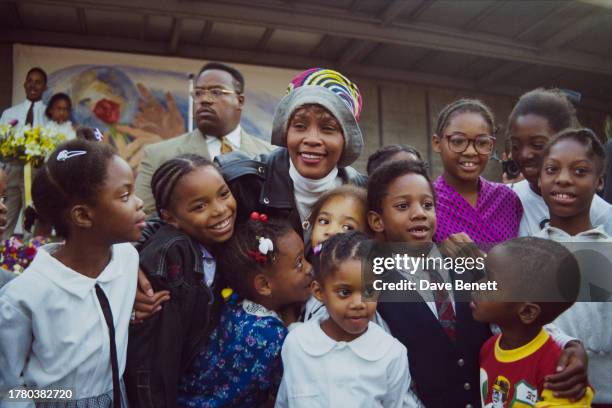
(263, 184)
(163, 346)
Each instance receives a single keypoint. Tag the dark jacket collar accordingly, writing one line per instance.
(277, 190)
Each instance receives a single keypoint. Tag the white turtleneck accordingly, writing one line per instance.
(307, 191)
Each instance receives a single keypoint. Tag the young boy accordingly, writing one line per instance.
(438, 328)
(571, 173)
(515, 363)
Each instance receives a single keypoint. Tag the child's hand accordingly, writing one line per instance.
(147, 302)
(460, 245)
(571, 378)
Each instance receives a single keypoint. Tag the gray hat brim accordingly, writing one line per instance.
(314, 94)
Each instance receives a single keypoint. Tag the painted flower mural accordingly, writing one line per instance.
(107, 111)
(135, 106)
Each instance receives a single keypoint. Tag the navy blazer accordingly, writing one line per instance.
(445, 373)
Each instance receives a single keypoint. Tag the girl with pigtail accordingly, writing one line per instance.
(264, 265)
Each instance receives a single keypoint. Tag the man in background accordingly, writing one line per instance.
(218, 99)
(30, 112)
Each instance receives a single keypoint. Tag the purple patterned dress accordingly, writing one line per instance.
(494, 219)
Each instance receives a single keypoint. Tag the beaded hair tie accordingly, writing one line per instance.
(265, 245)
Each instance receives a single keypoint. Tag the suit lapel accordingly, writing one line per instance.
(196, 143)
(246, 144)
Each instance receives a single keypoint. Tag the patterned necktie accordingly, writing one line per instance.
(30, 116)
(444, 306)
(108, 317)
(226, 147)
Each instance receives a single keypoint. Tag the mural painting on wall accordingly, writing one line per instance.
(139, 99)
(135, 106)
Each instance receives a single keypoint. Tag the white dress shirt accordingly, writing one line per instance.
(597, 234)
(52, 329)
(370, 371)
(214, 143)
(535, 210)
(20, 113)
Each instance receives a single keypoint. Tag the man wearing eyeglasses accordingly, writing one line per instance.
(218, 99)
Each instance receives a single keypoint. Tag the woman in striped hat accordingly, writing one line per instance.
(316, 126)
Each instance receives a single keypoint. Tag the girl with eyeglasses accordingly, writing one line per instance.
(469, 206)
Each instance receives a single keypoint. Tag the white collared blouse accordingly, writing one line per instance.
(370, 371)
(52, 329)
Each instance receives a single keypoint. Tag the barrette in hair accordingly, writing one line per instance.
(98, 135)
(67, 154)
(265, 246)
(316, 250)
(255, 216)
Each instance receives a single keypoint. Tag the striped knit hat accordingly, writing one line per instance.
(335, 82)
(334, 92)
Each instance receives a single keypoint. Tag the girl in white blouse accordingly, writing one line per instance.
(64, 321)
(58, 113)
(343, 359)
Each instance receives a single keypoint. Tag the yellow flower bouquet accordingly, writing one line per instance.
(29, 145)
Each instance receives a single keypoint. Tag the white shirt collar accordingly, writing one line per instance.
(258, 310)
(596, 234)
(232, 137)
(370, 346)
(68, 279)
(28, 102)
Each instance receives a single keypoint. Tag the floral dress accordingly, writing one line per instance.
(241, 365)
